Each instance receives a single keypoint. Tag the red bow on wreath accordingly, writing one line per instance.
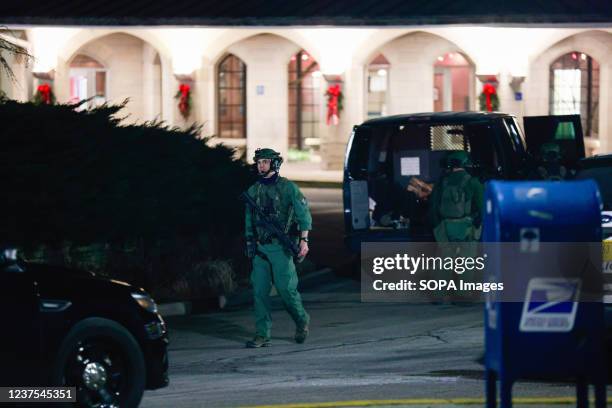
(333, 104)
(45, 93)
(488, 90)
(184, 97)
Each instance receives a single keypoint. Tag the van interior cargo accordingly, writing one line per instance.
(400, 165)
(393, 163)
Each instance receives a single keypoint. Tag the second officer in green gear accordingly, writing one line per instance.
(550, 167)
(282, 199)
(456, 206)
(457, 202)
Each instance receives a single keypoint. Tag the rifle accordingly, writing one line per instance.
(272, 226)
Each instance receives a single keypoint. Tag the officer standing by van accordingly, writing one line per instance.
(457, 202)
(281, 199)
(550, 167)
(456, 206)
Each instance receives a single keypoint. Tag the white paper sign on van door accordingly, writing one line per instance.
(410, 166)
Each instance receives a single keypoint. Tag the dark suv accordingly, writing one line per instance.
(388, 158)
(64, 327)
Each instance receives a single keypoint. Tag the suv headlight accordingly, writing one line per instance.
(145, 301)
(155, 329)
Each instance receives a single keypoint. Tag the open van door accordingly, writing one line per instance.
(355, 186)
(565, 130)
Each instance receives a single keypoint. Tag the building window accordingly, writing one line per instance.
(453, 83)
(574, 89)
(231, 98)
(304, 101)
(378, 83)
(87, 82)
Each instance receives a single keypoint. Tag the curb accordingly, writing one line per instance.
(318, 184)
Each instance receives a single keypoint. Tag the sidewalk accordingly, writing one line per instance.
(310, 172)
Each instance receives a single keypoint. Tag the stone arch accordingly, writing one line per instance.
(373, 44)
(82, 40)
(266, 55)
(85, 36)
(231, 37)
(598, 45)
(379, 39)
(560, 36)
(412, 57)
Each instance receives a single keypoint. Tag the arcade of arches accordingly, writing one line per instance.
(270, 87)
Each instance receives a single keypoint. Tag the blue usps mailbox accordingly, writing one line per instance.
(544, 325)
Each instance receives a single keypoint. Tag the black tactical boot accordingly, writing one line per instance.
(258, 341)
(301, 333)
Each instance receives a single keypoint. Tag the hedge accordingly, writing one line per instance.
(80, 177)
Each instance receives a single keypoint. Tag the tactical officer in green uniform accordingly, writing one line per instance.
(550, 167)
(457, 202)
(456, 206)
(281, 199)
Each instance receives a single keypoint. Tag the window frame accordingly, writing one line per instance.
(243, 95)
(590, 120)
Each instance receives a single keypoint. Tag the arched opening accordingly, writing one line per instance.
(574, 89)
(87, 81)
(113, 68)
(304, 102)
(453, 83)
(377, 86)
(231, 98)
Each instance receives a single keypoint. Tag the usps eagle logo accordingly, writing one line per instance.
(550, 305)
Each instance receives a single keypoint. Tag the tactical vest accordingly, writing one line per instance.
(454, 201)
(271, 200)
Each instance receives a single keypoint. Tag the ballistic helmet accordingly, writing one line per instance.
(457, 158)
(550, 152)
(266, 153)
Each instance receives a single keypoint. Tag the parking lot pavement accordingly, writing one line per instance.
(356, 352)
(537, 402)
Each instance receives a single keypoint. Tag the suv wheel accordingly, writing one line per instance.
(104, 362)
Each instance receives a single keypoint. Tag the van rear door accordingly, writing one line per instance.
(565, 130)
(356, 196)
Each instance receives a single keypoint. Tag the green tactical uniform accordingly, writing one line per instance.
(550, 167)
(457, 202)
(284, 201)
